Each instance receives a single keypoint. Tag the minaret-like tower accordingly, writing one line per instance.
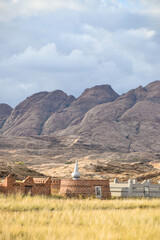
(76, 173)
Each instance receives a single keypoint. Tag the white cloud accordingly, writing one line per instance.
(142, 32)
(15, 8)
(151, 3)
(151, 7)
(48, 58)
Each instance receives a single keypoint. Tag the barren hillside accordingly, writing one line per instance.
(50, 156)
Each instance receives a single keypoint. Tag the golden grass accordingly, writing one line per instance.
(40, 218)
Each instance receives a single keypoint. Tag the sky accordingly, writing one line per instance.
(76, 44)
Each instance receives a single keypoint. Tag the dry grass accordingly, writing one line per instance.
(40, 218)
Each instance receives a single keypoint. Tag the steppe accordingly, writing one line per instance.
(39, 218)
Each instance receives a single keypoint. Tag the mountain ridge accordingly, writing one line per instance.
(99, 116)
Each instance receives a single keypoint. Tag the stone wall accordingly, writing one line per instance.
(132, 188)
(84, 188)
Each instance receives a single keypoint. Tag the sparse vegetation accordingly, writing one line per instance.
(70, 162)
(46, 218)
(19, 162)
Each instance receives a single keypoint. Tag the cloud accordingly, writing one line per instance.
(15, 8)
(72, 45)
(151, 3)
(11, 9)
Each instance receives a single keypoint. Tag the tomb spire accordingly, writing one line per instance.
(76, 173)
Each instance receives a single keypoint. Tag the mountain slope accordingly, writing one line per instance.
(130, 123)
(74, 113)
(5, 111)
(29, 116)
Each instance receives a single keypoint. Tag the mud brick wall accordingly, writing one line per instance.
(39, 180)
(104, 187)
(84, 188)
(42, 187)
(55, 186)
(66, 187)
(2, 189)
(28, 186)
(18, 188)
(9, 184)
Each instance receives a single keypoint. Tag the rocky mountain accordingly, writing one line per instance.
(99, 118)
(130, 123)
(30, 115)
(5, 111)
(75, 112)
(45, 113)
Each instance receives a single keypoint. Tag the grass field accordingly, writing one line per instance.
(40, 218)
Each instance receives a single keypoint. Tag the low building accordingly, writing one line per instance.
(132, 188)
(85, 188)
(76, 187)
(32, 186)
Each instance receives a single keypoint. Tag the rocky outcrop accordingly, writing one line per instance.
(17, 169)
(5, 111)
(120, 168)
(75, 112)
(29, 116)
